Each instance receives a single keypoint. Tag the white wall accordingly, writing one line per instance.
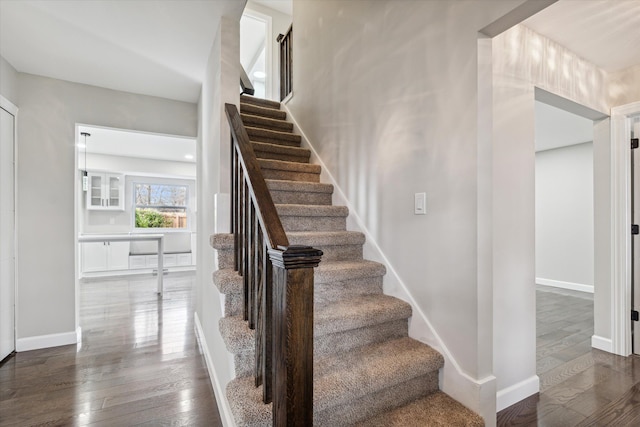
(280, 23)
(8, 81)
(624, 86)
(564, 216)
(387, 92)
(220, 86)
(49, 110)
(524, 60)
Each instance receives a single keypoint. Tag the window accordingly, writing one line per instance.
(160, 205)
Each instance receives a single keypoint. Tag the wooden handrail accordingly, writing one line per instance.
(245, 82)
(278, 287)
(286, 62)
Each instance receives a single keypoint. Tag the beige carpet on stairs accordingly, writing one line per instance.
(367, 370)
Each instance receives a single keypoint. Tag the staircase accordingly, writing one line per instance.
(367, 371)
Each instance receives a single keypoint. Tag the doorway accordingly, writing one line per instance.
(564, 229)
(7, 229)
(255, 51)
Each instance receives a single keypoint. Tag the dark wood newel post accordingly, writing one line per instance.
(293, 334)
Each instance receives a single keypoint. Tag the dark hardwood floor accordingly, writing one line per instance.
(579, 386)
(138, 363)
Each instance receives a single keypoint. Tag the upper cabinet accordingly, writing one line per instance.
(106, 191)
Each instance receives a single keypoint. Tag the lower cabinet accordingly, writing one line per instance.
(151, 261)
(104, 256)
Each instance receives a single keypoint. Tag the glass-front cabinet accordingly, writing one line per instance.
(106, 191)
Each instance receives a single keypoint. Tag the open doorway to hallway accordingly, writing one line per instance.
(564, 242)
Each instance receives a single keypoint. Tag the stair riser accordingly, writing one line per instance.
(267, 103)
(335, 291)
(370, 405)
(290, 175)
(300, 198)
(259, 135)
(330, 253)
(354, 338)
(329, 344)
(263, 123)
(314, 223)
(244, 363)
(233, 304)
(281, 156)
(256, 110)
(225, 258)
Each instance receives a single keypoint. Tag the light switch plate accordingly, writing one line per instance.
(420, 204)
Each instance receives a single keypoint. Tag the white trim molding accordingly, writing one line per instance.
(224, 409)
(515, 393)
(565, 285)
(602, 343)
(46, 341)
(621, 222)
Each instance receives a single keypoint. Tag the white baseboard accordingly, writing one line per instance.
(221, 398)
(46, 341)
(565, 285)
(515, 393)
(604, 344)
(453, 380)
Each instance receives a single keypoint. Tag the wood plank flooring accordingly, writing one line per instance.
(138, 363)
(579, 386)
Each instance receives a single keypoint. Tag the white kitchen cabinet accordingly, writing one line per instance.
(104, 256)
(106, 191)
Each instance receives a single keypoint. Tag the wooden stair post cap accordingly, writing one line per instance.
(295, 256)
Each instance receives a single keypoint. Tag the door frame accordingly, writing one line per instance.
(620, 228)
(270, 80)
(12, 109)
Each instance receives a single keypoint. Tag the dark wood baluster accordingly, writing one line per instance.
(250, 271)
(259, 245)
(267, 339)
(246, 201)
(234, 202)
(241, 242)
(293, 334)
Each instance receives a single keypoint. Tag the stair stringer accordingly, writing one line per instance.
(478, 395)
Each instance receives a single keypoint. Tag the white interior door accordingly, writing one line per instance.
(7, 233)
(635, 133)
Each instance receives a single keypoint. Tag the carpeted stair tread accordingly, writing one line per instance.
(288, 166)
(267, 103)
(312, 210)
(300, 192)
(325, 238)
(221, 241)
(257, 134)
(345, 315)
(265, 150)
(436, 409)
(339, 271)
(345, 378)
(371, 368)
(236, 334)
(266, 123)
(308, 187)
(259, 110)
(228, 281)
(245, 400)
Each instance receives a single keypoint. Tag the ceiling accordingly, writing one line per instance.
(157, 48)
(284, 6)
(604, 32)
(136, 144)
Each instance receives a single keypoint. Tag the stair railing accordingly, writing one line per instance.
(286, 62)
(278, 287)
(245, 83)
